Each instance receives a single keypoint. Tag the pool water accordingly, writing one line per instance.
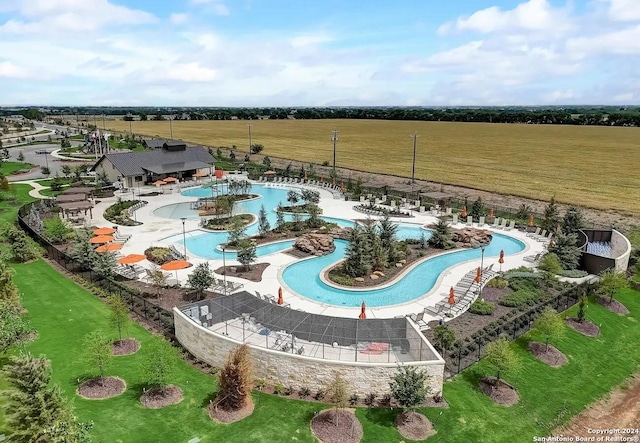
(303, 277)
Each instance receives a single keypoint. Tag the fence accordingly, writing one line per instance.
(136, 301)
(469, 352)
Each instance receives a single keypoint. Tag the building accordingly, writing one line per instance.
(173, 159)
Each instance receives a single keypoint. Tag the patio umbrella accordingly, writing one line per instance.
(280, 299)
(102, 239)
(109, 247)
(452, 296)
(200, 174)
(491, 213)
(463, 213)
(531, 220)
(363, 314)
(104, 231)
(175, 265)
(170, 179)
(159, 182)
(342, 186)
(269, 172)
(501, 259)
(478, 275)
(131, 259)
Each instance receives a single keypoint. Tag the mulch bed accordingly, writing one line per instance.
(613, 305)
(500, 391)
(414, 426)
(156, 398)
(223, 416)
(101, 388)
(551, 356)
(347, 430)
(252, 274)
(126, 346)
(585, 328)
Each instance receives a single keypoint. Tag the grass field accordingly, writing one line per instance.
(9, 168)
(586, 165)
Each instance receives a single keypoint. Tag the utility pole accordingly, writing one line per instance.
(170, 128)
(130, 131)
(98, 136)
(77, 122)
(334, 139)
(413, 166)
(106, 140)
(249, 125)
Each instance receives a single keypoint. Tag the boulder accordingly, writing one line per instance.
(316, 244)
(471, 237)
(374, 276)
(399, 265)
(379, 273)
(341, 233)
(359, 279)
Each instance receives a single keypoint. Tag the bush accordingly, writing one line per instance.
(158, 255)
(482, 307)
(354, 399)
(343, 280)
(530, 282)
(521, 297)
(497, 282)
(574, 273)
(550, 263)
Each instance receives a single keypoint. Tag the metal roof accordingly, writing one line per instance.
(134, 163)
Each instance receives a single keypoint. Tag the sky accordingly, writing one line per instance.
(319, 52)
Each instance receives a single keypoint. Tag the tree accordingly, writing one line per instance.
(22, 249)
(310, 196)
(550, 263)
(501, 356)
(45, 170)
(8, 290)
(157, 278)
(266, 161)
(235, 380)
(477, 209)
(263, 222)
(102, 180)
(444, 337)
(582, 309)
(56, 230)
(232, 155)
(337, 395)
(119, 314)
(410, 386)
(611, 281)
(379, 254)
(256, 148)
(549, 324)
(388, 231)
(20, 157)
(160, 365)
(314, 211)
(66, 170)
(358, 258)
(13, 326)
(236, 232)
(572, 220)
(565, 247)
(82, 251)
(441, 236)
(201, 278)
(104, 264)
(293, 197)
(246, 251)
(523, 212)
(551, 218)
(280, 222)
(97, 351)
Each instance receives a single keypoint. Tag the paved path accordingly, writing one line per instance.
(37, 187)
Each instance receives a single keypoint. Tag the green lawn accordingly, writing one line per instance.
(10, 168)
(9, 209)
(62, 180)
(548, 396)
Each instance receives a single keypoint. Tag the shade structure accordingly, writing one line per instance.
(478, 275)
(159, 182)
(491, 212)
(102, 239)
(269, 172)
(363, 313)
(280, 298)
(131, 258)
(175, 265)
(531, 220)
(463, 213)
(200, 174)
(170, 179)
(104, 231)
(109, 247)
(452, 296)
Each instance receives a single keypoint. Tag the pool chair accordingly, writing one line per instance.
(533, 258)
(534, 234)
(496, 223)
(542, 234)
(419, 319)
(546, 239)
(512, 224)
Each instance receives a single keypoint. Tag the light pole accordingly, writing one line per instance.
(170, 128)
(413, 166)
(334, 139)
(249, 125)
(224, 268)
(133, 197)
(184, 238)
(481, 267)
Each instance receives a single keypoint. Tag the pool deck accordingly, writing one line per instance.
(155, 229)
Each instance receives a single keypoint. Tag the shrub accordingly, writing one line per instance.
(319, 395)
(158, 255)
(278, 389)
(354, 399)
(550, 263)
(497, 282)
(370, 399)
(529, 282)
(521, 297)
(482, 307)
(343, 280)
(304, 392)
(574, 273)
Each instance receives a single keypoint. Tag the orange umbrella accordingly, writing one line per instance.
(491, 212)
(159, 182)
(104, 231)
(342, 186)
(452, 296)
(170, 179)
(464, 212)
(109, 247)
(531, 220)
(280, 299)
(333, 182)
(175, 265)
(269, 172)
(200, 174)
(478, 275)
(501, 259)
(363, 314)
(131, 258)
(102, 239)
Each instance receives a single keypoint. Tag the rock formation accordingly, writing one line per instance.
(471, 237)
(316, 244)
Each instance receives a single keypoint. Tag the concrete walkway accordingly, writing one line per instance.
(37, 187)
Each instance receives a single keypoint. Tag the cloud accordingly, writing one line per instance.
(10, 70)
(533, 15)
(178, 18)
(216, 7)
(310, 40)
(624, 10)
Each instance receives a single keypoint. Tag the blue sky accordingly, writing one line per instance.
(319, 53)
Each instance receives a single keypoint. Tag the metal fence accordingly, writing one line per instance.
(137, 301)
(470, 351)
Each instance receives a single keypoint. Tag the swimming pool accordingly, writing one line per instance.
(303, 277)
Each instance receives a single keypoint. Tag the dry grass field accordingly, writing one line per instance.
(596, 167)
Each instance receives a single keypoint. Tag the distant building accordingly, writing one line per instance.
(156, 143)
(173, 159)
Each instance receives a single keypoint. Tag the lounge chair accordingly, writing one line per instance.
(496, 223)
(419, 319)
(534, 234)
(512, 224)
(542, 234)
(533, 258)
(470, 220)
(503, 224)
